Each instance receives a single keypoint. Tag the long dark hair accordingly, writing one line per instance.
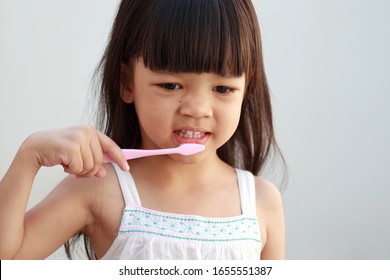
(218, 36)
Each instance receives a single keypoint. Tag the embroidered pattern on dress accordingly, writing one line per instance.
(196, 228)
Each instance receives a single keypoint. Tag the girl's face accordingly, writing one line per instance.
(177, 108)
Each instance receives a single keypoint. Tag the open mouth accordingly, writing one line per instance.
(190, 133)
(191, 136)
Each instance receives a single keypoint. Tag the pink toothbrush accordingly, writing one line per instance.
(184, 149)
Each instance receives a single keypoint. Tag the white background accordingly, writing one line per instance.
(328, 66)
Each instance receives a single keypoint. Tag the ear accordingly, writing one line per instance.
(126, 90)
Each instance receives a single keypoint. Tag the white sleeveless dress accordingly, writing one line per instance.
(146, 234)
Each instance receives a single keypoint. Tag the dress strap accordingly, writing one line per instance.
(127, 184)
(246, 183)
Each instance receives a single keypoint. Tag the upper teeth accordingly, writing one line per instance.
(190, 133)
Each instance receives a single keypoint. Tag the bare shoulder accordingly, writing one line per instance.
(80, 195)
(85, 199)
(94, 192)
(267, 194)
(71, 207)
(89, 185)
(83, 189)
(271, 217)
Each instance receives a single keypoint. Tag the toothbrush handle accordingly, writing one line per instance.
(136, 153)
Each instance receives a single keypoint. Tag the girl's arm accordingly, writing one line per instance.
(271, 216)
(66, 210)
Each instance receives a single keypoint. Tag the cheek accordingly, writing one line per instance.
(153, 116)
(144, 103)
(234, 120)
(148, 114)
(228, 121)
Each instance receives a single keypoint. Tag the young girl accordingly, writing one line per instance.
(173, 72)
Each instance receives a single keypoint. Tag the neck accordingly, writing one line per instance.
(168, 171)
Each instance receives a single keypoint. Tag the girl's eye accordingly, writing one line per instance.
(223, 89)
(170, 86)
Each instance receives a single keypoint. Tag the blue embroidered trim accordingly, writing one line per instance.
(190, 227)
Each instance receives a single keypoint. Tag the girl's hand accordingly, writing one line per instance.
(78, 149)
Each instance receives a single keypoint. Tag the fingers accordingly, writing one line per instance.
(84, 154)
(113, 150)
(101, 173)
(91, 159)
(95, 163)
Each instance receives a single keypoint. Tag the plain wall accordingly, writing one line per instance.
(328, 66)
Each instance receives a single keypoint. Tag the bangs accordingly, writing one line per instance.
(196, 36)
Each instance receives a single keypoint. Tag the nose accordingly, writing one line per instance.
(196, 105)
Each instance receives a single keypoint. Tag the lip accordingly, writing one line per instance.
(185, 140)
